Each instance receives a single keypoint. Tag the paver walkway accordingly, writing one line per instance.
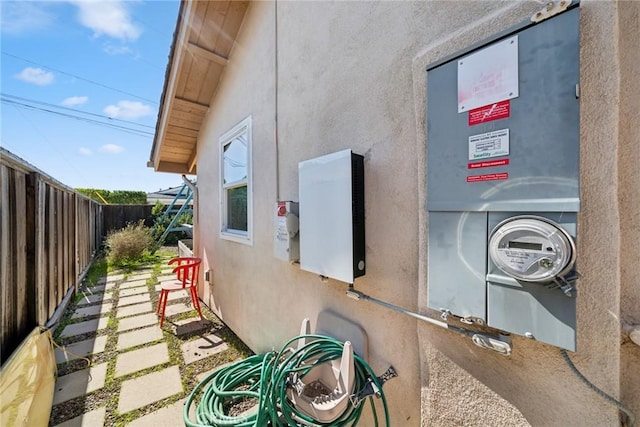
(139, 374)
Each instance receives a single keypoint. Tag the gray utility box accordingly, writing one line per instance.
(503, 141)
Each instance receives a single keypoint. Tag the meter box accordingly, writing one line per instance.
(286, 244)
(503, 181)
(331, 192)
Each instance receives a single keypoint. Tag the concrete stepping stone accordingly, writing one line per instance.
(174, 295)
(132, 291)
(134, 322)
(91, 299)
(84, 327)
(92, 310)
(167, 278)
(134, 299)
(144, 390)
(158, 288)
(89, 419)
(81, 349)
(137, 277)
(191, 326)
(179, 308)
(109, 286)
(169, 416)
(135, 284)
(137, 360)
(130, 310)
(139, 337)
(200, 348)
(79, 383)
(115, 277)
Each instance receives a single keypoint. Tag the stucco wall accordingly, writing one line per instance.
(352, 75)
(629, 196)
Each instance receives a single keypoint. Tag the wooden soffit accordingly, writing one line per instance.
(205, 34)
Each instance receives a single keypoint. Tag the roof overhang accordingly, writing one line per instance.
(205, 34)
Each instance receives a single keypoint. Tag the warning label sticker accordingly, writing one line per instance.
(488, 177)
(488, 113)
(490, 144)
(488, 164)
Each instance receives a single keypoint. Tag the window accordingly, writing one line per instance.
(235, 179)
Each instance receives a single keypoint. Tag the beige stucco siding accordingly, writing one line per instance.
(352, 75)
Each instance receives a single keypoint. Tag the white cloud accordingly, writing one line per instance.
(129, 110)
(37, 76)
(21, 17)
(112, 148)
(72, 101)
(85, 151)
(111, 18)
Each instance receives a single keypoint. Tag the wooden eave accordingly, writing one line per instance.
(205, 34)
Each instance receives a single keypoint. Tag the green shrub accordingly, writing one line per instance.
(118, 197)
(130, 245)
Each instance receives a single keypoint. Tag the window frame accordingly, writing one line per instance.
(239, 236)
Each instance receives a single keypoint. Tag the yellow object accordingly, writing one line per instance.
(27, 382)
(101, 198)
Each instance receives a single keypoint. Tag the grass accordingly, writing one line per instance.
(108, 395)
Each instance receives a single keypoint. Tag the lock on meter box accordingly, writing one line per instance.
(532, 249)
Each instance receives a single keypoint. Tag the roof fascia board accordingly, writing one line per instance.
(170, 88)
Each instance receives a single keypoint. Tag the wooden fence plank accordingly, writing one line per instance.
(60, 289)
(42, 293)
(6, 270)
(51, 249)
(23, 323)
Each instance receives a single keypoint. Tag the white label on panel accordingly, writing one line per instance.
(490, 144)
(488, 76)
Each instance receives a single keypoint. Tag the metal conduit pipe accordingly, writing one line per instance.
(498, 344)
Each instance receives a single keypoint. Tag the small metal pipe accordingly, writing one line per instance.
(351, 293)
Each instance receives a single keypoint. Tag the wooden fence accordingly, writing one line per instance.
(115, 217)
(48, 235)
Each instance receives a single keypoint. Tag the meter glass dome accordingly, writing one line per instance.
(531, 249)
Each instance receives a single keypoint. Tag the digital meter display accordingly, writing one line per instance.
(525, 245)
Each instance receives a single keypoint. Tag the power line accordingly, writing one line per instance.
(33, 101)
(77, 77)
(84, 119)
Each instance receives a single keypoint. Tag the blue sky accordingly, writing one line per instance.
(69, 64)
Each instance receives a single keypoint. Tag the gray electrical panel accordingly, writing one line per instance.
(503, 146)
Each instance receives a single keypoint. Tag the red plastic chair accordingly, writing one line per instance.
(186, 278)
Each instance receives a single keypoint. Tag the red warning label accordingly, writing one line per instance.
(488, 164)
(488, 113)
(488, 177)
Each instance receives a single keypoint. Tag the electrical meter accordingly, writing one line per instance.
(532, 249)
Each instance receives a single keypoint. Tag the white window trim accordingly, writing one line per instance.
(230, 234)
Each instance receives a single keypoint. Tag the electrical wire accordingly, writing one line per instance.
(138, 132)
(75, 110)
(265, 377)
(77, 77)
(631, 418)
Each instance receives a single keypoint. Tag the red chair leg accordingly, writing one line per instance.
(196, 302)
(159, 301)
(164, 306)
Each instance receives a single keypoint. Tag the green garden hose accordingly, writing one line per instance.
(265, 377)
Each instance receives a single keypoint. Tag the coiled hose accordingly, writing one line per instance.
(265, 377)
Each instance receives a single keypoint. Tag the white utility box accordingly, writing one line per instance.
(286, 244)
(331, 191)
